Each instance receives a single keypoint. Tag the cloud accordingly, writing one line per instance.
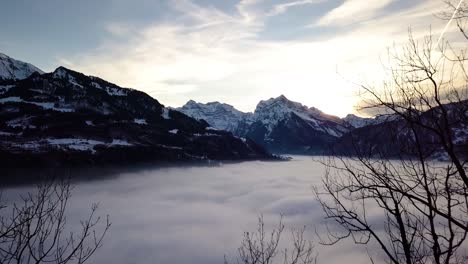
(352, 11)
(282, 8)
(219, 56)
(118, 29)
(197, 214)
(258, 10)
(294, 205)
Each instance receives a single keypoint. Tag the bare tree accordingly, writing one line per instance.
(399, 198)
(34, 230)
(261, 247)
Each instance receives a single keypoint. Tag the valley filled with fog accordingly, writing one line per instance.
(197, 214)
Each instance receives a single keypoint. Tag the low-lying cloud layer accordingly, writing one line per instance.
(197, 215)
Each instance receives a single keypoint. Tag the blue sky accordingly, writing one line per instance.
(234, 51)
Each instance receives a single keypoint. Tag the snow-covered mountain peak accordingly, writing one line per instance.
(191, 103)
(280, 101)
(211, 106)
(11, 69)
(276, 109)
(218, 115)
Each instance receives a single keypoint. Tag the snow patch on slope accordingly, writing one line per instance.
(67, 75)
(140, 121)
(44, 105)
(165, 113)
(84, 144)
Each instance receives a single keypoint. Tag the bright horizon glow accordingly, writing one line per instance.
(234, 52)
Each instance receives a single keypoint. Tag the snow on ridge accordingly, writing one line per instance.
(65, 74)
(60, 73)
(140, 121)
(169, 147)
(11, 99)
(23, 122)
(96, 85)
(5, 88)
(3, 133)
(165, 113)
(357, 121)
(120, 142)
(114, 91)
(206, 135)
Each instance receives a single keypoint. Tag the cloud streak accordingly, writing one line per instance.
(282, 8)
(352, 11)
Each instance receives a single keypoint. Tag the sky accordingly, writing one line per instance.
(233, 51)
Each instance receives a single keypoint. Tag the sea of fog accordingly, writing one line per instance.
(197, 214)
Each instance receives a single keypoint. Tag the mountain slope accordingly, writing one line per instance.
(68, 118)
(11, 69)
(391, 136)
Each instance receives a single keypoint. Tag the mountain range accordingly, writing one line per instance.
(279, 124)
(67, 118)
(284, 126)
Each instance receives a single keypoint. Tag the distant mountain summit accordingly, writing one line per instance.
(357, 121)
(279, 124)
(274, 110)
(66, 118)
(11, 69)
(218, 115)
(285, 126)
